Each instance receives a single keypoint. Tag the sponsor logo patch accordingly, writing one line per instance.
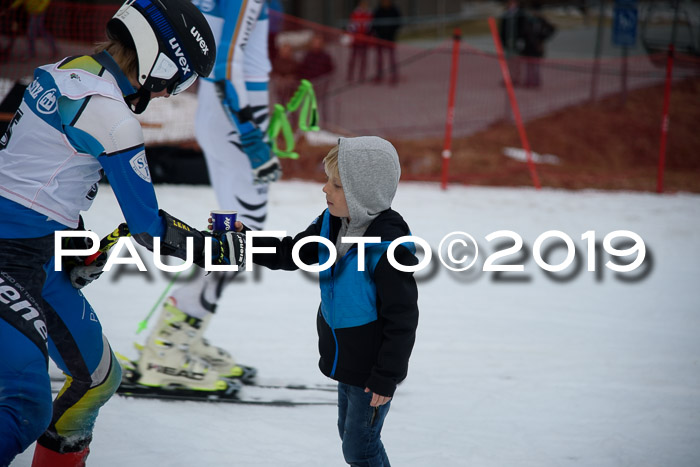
(140, 165)
(176, 372)
(18, 300)
(93, 192)
(202, 43)
(35, 88)
(46, 104)
(180, 56)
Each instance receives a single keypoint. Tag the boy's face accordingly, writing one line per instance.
(335, 197)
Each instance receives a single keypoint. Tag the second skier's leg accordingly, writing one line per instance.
(81, 351)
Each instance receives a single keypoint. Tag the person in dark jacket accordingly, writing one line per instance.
(369, 313)
(317, 66)
(385, 26)
(511, 30)
(536, 31)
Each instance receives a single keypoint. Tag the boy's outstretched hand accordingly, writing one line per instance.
(238, 225)
(377, 400)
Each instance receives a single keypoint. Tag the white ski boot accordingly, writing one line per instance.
(163, 365)
(166, 362)
(175, 326)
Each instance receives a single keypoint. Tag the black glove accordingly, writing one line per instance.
(82, 274)
(174, 241)
(229, 248)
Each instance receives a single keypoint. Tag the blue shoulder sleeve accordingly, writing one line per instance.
(128, 174)
(69, 110)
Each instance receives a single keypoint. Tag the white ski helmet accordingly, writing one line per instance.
(173, 43)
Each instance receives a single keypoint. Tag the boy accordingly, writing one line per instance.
(367, 319)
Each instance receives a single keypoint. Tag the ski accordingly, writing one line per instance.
(247, 395)
(330, 387)
(272, 394)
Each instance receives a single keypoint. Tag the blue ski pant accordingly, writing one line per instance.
(42, 315)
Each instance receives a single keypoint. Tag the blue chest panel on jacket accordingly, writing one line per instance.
(348, 296)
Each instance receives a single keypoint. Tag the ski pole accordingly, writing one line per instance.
(108, 242)
(144, 322)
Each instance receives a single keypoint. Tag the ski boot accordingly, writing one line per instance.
(176, 326)
(45, 457)
(166, 366)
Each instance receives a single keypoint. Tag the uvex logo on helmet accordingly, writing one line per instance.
(178, 53)
(198, 37)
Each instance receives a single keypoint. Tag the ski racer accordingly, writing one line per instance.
(76, 123)
(231, 124)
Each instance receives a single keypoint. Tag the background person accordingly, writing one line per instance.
(536, 32)
(285, 74)
(10, 28)
(318, 66)
(36, 16)
(386, 24)
(359, 27)
(511, 28)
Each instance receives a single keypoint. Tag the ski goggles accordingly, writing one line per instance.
(166, 69)
(176, 86)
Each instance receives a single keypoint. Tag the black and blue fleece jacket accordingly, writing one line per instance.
(367, 319)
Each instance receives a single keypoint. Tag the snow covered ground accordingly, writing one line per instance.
(594, 372)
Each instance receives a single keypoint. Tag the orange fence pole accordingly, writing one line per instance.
(514, 102)
(447, 149)
(665, 120)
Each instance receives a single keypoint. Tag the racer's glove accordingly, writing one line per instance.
(82, 275)
(266, 166)
(228, 248)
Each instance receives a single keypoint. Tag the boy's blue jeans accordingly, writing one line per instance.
(360, 427)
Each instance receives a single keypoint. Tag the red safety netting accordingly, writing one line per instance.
(616, 104)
